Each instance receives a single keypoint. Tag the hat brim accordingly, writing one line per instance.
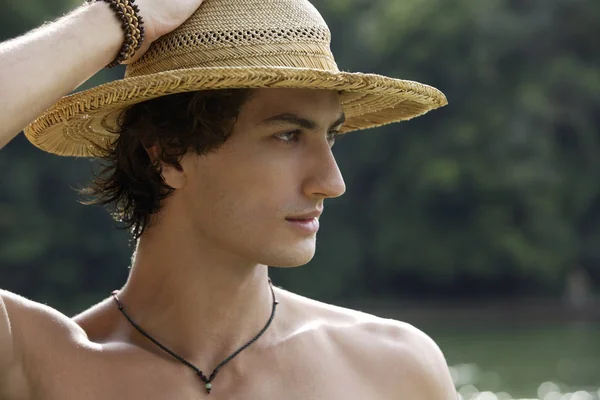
(79, 123)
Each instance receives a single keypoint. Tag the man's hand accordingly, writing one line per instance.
(161, 17)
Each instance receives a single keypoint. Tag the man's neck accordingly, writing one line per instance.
(197, 302)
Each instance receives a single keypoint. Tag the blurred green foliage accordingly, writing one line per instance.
(496, 194)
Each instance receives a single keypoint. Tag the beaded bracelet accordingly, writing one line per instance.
(132, 24)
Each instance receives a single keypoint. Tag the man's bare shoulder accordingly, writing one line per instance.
(35, 329)
(28, 318)
(398, 356)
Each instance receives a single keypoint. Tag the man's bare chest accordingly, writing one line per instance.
(276, 386)
(91, 377)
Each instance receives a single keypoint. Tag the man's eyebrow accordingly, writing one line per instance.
(290, 118)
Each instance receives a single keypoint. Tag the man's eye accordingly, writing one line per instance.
(289, 137)
(332, 136)
(294, 136)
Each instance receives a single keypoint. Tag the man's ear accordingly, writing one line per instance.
(174, 176)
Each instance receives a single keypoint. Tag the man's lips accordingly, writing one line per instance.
(307, 216)
(310, 225)
(308, 222)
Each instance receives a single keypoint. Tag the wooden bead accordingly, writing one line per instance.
(131, 23)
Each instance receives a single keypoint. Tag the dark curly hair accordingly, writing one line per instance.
(131, 183)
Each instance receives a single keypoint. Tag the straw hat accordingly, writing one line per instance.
(232, 44)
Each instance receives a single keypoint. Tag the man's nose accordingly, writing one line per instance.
(325, 178)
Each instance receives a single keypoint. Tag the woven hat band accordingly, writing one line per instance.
(285, 54)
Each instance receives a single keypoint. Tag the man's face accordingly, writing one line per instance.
(251, 197)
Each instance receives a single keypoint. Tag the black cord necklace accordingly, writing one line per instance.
(207, 381)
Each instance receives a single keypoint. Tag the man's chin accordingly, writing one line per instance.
(290, 265)
(292, 257)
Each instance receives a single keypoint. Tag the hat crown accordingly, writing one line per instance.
(236, 33)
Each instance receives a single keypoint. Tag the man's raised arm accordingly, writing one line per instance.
(37, 69)
(40, 67)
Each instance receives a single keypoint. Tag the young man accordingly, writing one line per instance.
(227, 175)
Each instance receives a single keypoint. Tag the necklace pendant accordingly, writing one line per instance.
(208, 387)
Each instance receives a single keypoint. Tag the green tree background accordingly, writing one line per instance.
(495, 195)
